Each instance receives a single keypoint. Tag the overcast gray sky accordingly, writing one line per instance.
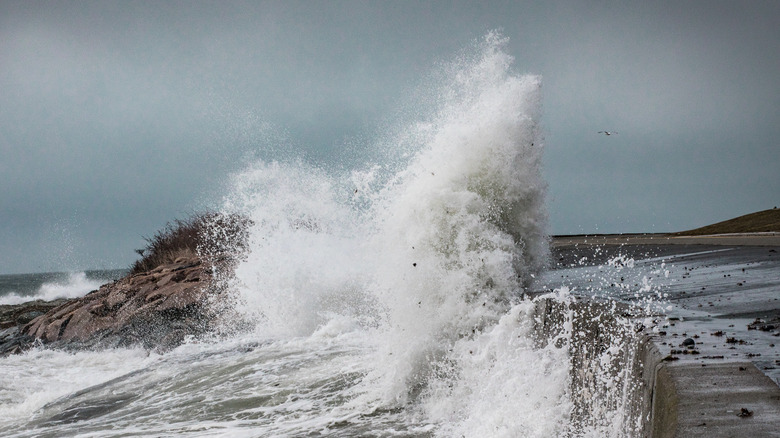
(116, 117)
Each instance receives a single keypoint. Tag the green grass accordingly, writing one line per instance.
(762, 221)
(210, 234)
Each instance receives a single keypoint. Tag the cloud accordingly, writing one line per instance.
(126, 115)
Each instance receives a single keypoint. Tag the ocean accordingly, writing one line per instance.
(388, 300)
(20, 288)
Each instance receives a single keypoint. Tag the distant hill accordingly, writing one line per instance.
(762, 221)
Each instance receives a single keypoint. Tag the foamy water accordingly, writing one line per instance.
(384, 301)
(76, 284)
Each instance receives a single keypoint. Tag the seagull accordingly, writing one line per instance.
(607, 132)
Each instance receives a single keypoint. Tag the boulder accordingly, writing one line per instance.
(14, 317)
(156, 309)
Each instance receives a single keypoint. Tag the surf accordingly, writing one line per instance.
(428, 257)
(389, 299)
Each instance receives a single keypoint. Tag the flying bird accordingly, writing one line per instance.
(607, 132)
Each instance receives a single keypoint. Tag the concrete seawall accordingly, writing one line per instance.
(731, 399)
(617, 368)
(707, 365)
(613, 367)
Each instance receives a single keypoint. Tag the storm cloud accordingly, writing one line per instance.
(116, 117)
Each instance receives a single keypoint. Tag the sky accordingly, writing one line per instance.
(117, 117)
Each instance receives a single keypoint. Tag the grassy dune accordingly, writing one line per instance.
(762, 221)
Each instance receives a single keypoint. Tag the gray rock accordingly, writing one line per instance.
(157, 309)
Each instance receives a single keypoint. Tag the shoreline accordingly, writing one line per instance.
(733, 239)
(733, 325)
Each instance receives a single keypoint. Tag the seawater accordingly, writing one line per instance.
(383, 301)
(20, 288)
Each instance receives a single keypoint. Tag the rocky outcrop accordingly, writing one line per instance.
(13, 317)
(157, 309)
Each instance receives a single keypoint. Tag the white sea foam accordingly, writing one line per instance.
(30, 381)
(500, 384)
(430, 257)
(75, 285)
(384, 301)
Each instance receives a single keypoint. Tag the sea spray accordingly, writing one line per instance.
(305, 252)
(385, 301)
(462, 227)
(606, 299)
(427, 257)
(501, 384)
(70, 285)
